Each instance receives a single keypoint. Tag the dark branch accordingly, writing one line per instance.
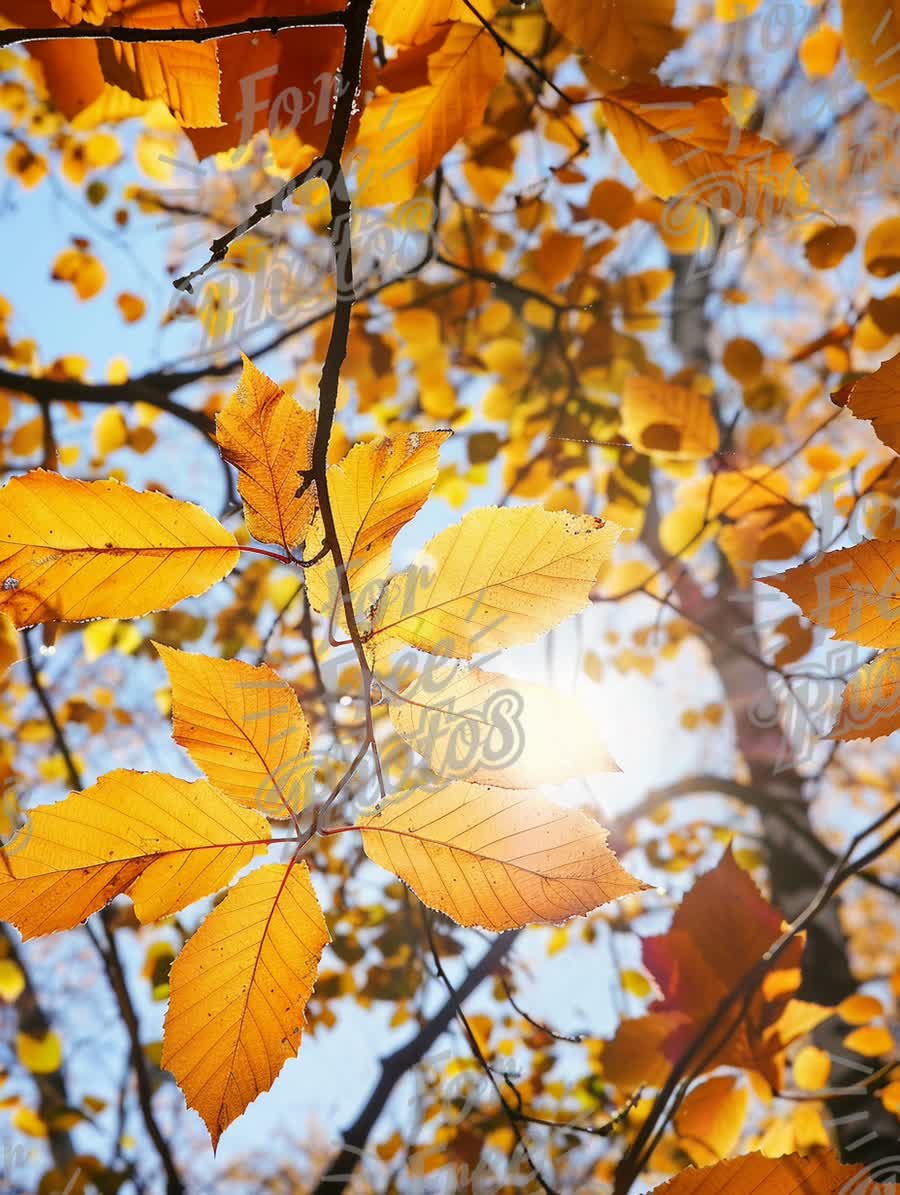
(121, 33)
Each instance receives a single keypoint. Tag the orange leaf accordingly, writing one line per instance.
(720, 931)
(164, 841)
(628, 41)
(876, 397)
(495, 858)
(404, 137)
(243, 726)
(268, 437)
(239, 990)
(871, 702)
(853, 591)
(683, 141)
(791, 1175)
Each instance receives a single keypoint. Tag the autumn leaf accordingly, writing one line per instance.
(854, 592)
(404, 136)
(82, 270)
(164, 841)
(499, 577)
(239, 989)
(9, 643)
(683, 141)
(822, 1174)
(628, 42)
(408, 22)
(871, 701)
(871, 33)
(242, 726)
(375, 490)
(73, 550)
(670, 420)
(268, 437)
(184, 75)
(495, 857)
(720, 931)
(876, 397)
(492, 729)
(711, 1119)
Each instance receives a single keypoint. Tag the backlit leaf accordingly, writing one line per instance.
(752, 1174)
(184, 75)
(242, 726)
(683, 141)
(164, 841)
(239, 989)
(499, 577)
(73, 550)
(855, 592)
(876, 397)
(404, 136)
(871, 701)
(493, 729)
(268, 437)
(375, 490)
(495, 857)
(628, 41)
(871, 35)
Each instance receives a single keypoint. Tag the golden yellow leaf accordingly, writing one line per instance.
(40, 1055)
(268, 437)
(80, 268)
(184, 75)
(812, 1069)
(375, 490)
(871, 34)
(9, 643)
(752, 1174)
(494, 857)
(871, 703)
(242, 726)
(239, 989)
(492, 729)
(672, 421)
(628, 41)
(859, 1009)
(73, 550)
(164, 841)
(12, 980)
(408, 22)
(854, 592)
(28, 1122)
(711, 1118)
(819, 51)
(872, 1041)
(497, 578)
(683, 141)
(404, 136)
(110, 431)
(876, 397)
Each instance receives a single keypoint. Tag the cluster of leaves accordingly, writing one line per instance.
(545, 306)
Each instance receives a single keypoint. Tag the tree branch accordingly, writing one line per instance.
(336, 1178)
(205, 33)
